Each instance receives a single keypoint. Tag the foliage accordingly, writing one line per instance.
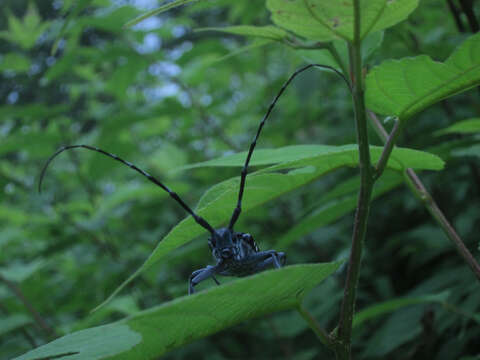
(146, 84)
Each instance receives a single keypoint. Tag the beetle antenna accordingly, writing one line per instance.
(238, 208)
(200, 221)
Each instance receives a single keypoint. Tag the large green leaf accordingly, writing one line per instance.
(217, 205)
(347, 155)
(265, 156)
(329, 20)
(406, 87)
(334, 209)
(151, 333)
(313, 155)
(310, 162)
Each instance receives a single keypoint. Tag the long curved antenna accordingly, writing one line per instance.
(200, 221)
(238, 209)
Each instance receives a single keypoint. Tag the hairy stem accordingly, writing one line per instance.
(417, 187)
(343, 340)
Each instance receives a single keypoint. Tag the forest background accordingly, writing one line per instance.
(168, 92)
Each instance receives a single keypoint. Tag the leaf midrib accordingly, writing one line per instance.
(436, 89)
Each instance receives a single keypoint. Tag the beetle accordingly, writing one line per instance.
(235, 253)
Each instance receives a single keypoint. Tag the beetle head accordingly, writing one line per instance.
(222, 244)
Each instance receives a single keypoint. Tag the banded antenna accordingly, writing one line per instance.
(243, 177)
(200, 221)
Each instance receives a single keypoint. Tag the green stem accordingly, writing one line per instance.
(417, 187)
(421, 193)
(343, 343)
(387, 149)
(315, 326)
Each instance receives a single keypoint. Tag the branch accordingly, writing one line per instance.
(315, 326)
(456, 16)
(387, 150)
(36, 316)
(467, 8)
(423, 195)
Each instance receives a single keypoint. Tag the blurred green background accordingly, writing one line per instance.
(163, 95)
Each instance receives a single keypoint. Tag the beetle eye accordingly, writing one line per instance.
(226, 253)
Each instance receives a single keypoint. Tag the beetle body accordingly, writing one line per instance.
(236, 254)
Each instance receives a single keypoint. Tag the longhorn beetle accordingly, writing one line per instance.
(235, 253)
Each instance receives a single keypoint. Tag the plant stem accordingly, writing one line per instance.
(343, 341)
(417, 187)
(421, 192)
(387, 150)
(49, 332)
(322, 335)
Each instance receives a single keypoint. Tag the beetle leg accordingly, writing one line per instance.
(278, 258)
(267, 259)
(200, 275)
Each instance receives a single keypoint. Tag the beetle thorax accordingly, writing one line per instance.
(227, 245)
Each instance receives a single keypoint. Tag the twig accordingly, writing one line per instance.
(36, 316)
(23, 329)
(315, 326)
(456, 16)
(421, 192)
(387, 150)
(467, 8)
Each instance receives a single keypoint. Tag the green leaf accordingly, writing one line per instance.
(469, 126)
(307, 155)
(216, 206)
(405, 87)
(25, 33)
(336, 204)
(266, 32)
(79, 6)
(386, 307)
(13, 322)
(347, 155)
(264, 156)
(311, 162)
(92, 344)
(19, 272)
(329, 20)
(151, 333)
(473, 150)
